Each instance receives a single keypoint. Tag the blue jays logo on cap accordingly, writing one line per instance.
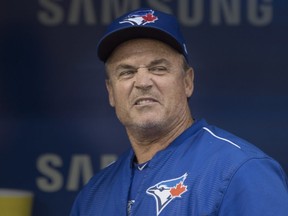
(140, 17)
(166, 191)
(142, 23)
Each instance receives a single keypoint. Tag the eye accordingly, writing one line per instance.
(161, 189)
(127, 73)
(158, 69)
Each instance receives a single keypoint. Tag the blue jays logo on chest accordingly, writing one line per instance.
(166, 191)
(140, 18)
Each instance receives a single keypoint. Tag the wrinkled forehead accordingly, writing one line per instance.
(141, 49)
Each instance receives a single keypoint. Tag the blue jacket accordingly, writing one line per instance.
(205, 171)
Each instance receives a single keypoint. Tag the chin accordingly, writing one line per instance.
(150, 124)
(144, 122)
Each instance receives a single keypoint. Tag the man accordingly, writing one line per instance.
(177, 165)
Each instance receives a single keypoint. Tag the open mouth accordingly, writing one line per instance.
(145, 101)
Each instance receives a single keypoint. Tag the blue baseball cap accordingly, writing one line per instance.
(142, 23)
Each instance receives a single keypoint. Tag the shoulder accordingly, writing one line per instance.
(96, 189)
(220, 139)
(214, 150)
(233, 152)
(258, 187)
(220, 155)
(233, 170)
(123, 162)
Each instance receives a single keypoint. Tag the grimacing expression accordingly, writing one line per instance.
(147, 84)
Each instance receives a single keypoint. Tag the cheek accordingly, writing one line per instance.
(117, 97)
(121, 94)
(176, 95)
(175, 88)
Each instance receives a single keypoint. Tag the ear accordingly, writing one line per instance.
(189, 82)
(110, 92)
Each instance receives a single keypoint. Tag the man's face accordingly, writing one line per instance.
(147, 84)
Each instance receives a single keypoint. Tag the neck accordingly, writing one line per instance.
(146, 143)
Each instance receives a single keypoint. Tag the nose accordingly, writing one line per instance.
(143, 79)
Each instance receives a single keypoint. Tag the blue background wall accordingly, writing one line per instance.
(56, 126)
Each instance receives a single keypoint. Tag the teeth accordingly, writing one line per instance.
(141, 102)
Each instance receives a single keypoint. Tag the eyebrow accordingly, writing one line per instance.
(159, 61)
(151, 64)
(124, 66)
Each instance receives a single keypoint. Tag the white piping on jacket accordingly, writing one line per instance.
(221, 138)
